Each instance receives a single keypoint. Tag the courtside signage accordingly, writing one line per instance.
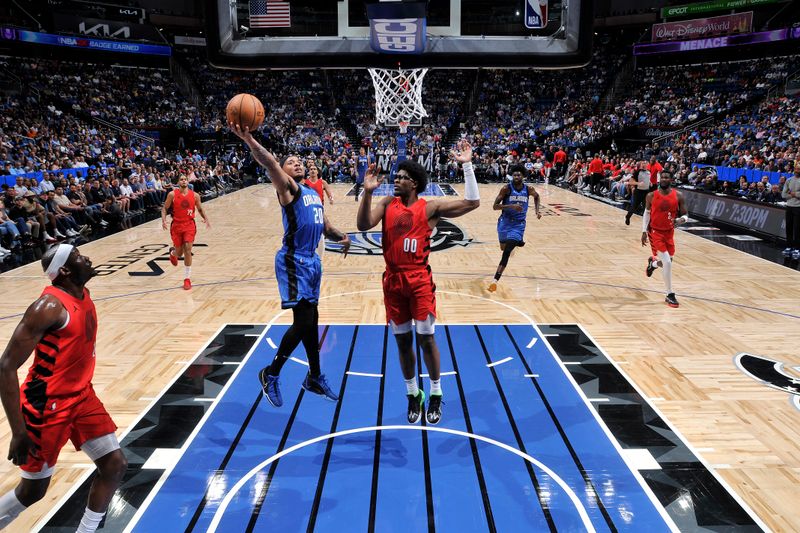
(713, 42)
(397, 27)
(13, 34)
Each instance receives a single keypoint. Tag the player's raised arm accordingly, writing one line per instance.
(472, 198)
(367, 217)
(285, 186)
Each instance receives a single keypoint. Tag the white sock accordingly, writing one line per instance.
(436, 387)
(411, 386)
(654, 262)
(10, 508)
(187, 271)
(666, 273)
(90, 521)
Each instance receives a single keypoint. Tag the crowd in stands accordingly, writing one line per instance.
(75, 173)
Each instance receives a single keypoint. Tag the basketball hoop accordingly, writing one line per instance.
(398, 96)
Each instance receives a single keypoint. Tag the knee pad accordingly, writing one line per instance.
(400, 329)
(100, 446)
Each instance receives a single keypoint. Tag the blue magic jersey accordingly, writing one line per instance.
(509, 216)
(303, 222)
(361, 166)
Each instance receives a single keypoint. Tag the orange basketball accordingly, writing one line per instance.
(246, 111)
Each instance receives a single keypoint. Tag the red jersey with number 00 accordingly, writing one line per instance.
(182, 206)
(664, 210)
(406, 236)
(64, 359)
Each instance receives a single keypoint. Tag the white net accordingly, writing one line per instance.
(398, 95)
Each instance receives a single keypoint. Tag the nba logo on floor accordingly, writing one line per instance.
(535, 14)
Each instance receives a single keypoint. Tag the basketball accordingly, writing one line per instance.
(245, 110)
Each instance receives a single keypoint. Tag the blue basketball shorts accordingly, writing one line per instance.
(510, 231)
(299, 277)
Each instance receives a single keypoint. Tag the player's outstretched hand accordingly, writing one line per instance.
(345, 244)
(21, 445)
(538, 215)
(462, 152)
(208, 224)
(372, 179)
(243, 134)
(644, 238)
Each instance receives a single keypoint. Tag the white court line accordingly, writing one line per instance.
(531, 375)
(296, 360)
(551, 335)
(573, 363)
(365, 374)
(451, 373)
(533, 341)
(500, 362)
(165, 475)
(220, 512)
(599, 399)
(252, 334)
(271, 344)
(231, 363)
(683, 439)
(67, 495)
(203, 399)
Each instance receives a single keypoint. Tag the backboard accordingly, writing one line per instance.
(302, 34)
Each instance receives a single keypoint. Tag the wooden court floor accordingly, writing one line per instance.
(581, 265)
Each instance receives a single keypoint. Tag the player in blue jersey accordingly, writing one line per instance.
(362, 164)
(297, 267)
(512, 202)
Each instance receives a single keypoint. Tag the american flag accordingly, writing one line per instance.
(269, 14)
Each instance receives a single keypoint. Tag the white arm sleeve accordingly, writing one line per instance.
(645, 220)
(470, 183)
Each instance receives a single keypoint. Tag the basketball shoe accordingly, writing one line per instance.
(173, 258)
(670, 300)
(434, 413)
(492, 286)
(650, 268)
(187, 284)
(319, 385)
(415, 406)
(271, 387)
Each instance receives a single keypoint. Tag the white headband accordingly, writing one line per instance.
(59, 260)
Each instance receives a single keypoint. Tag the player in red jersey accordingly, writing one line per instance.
(56, 402)
(318, 184)
(408, 289)
(184, 203)
(665, 209)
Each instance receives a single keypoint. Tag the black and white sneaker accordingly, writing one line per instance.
(650, 268)
(434, 412)
(670, 300)
(415, 406)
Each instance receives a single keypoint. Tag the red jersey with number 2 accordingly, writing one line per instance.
(406, 236)
(664, 210)
(182, 206)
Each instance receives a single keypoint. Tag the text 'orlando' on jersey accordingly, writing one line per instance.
(303, 222)
(515, 197)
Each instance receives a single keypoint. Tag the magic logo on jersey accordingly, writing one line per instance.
(445, 235)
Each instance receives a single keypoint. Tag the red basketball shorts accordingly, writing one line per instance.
(182, 233)
(78, 419)
(407, 295)
(662, 241)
